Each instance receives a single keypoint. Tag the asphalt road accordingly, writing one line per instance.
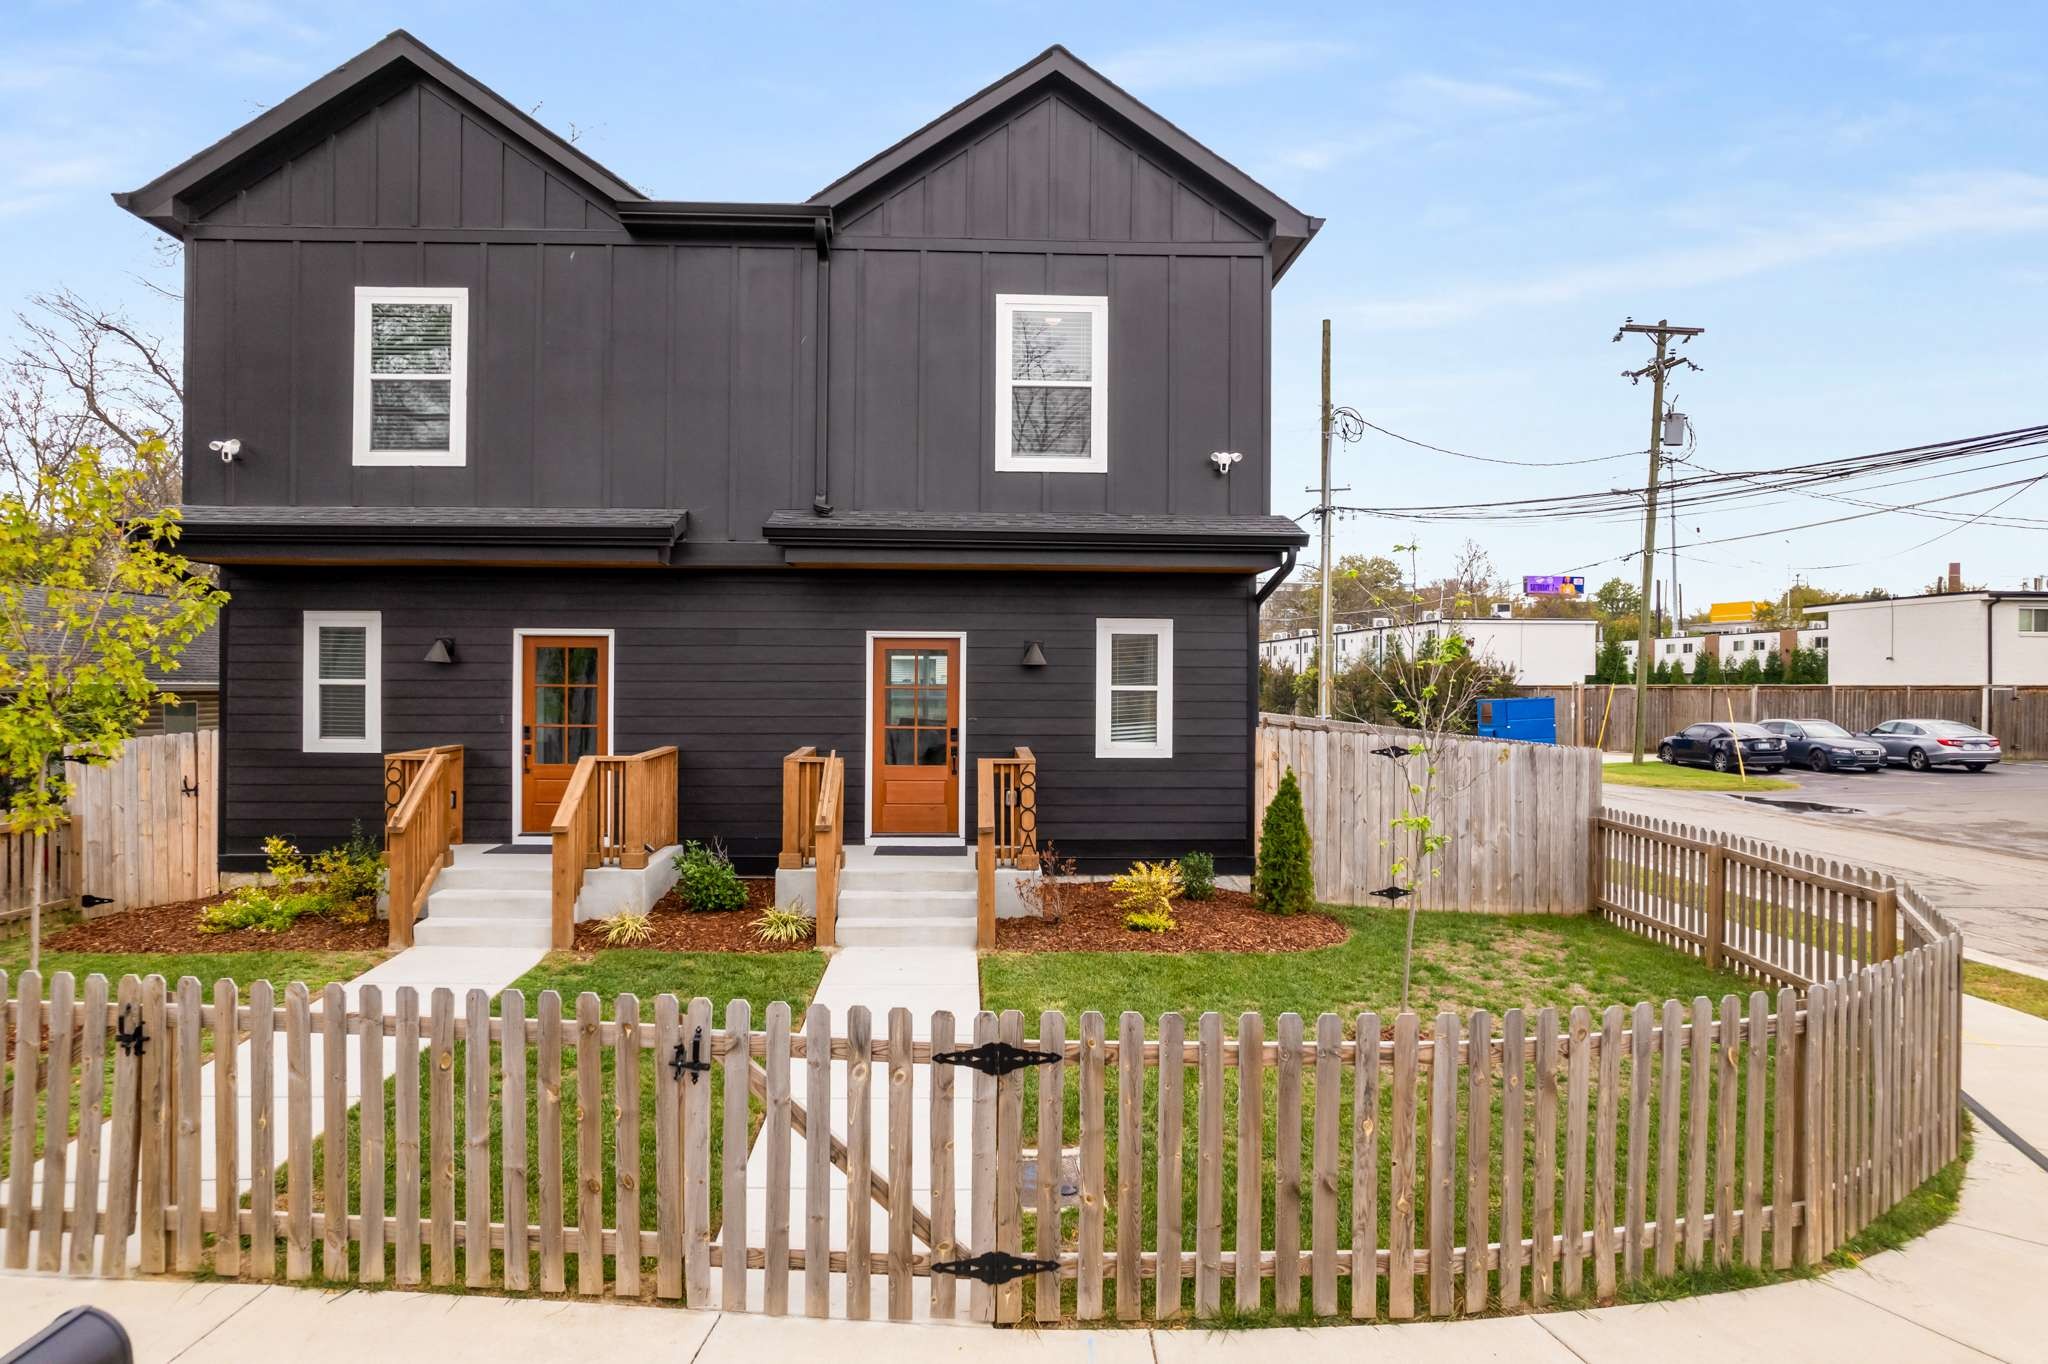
(1976, 843)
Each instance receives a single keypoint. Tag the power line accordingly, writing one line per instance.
(1492, 459)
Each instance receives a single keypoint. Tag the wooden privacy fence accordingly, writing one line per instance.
(19, 852)
(147, 823)
(1516, 814)
(2017, 715)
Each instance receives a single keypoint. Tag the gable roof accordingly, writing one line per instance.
(1292, 228)
(395, 57)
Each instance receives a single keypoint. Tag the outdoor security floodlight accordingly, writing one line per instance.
(226, 449)
(1223, 459)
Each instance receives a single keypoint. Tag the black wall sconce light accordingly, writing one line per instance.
(442, 650)
(1034, 656)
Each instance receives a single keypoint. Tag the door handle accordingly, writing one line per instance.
(526, 748)
(953, 751)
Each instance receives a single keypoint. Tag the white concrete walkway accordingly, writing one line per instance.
(923, 980)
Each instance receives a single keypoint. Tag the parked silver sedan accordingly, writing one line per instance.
(1921, 744)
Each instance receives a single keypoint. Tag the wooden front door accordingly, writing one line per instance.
(564, 714)
(916, 726)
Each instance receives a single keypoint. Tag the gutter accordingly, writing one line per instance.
(1273, 583)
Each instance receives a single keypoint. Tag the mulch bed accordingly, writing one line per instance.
(1226, 923)
(677, 929)
(175, 928)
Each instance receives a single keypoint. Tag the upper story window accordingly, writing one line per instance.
(1052, 383)
(412, 376)
(2033, 620)
(344, 686)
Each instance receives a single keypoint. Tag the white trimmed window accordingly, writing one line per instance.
(1052, 384)
(1134, 689)
(411, 376)
(2033, 620)
(344, 688)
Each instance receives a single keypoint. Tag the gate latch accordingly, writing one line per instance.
(994, 1058)
(994, 1267)
(129, 1032)
(691, 1062)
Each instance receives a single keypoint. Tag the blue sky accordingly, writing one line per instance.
(1853, 200)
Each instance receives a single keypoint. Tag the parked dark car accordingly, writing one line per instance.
(1921, 744)
(1825, 746)
(1714, 745)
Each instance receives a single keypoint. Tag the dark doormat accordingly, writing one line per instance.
(544, 849)
(908, 850)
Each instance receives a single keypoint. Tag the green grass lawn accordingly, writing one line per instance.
(2028, 994)
(1670, 777)
(757, 977)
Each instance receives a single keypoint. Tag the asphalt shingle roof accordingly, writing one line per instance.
(198, 665)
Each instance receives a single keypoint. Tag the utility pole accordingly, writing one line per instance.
(1662, 332)
(1326, 663)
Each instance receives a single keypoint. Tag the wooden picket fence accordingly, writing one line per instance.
(1412, 1167)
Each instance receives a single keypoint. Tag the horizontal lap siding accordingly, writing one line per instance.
(736, 669)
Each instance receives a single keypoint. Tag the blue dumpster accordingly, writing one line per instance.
(1532, 719)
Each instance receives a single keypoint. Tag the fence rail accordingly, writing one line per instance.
(423, 795)
(1516, 813)
(19, 853)
(1604, 717)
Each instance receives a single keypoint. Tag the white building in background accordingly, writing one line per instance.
(1969, 639)
(1731, 646)
(1538, 653)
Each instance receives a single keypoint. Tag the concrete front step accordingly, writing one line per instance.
(897, 931)
(523, 873)
(906, 904)
(442, 929)
(910, 875)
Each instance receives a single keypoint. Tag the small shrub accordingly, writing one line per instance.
(1198, 876)
(627, 930)
(1284, 882)
(261, 909)
(1146, 894)
(1047, 893)
(350, 875)
(778, 924)
(706, 881)
(342, 881)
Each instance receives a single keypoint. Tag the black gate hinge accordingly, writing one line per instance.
(131, 1034)
(994, 1267)
(691, 1062)
(93, 901)
(995, 1058)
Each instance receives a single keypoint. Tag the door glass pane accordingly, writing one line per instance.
(1134, 717)
(931, 669)
(583, 665)
(547, 747)
(583, 705)
(931, 748)
(931, 706)
(548, 705)
(581, 742)
(902, 705)
(547, 665)
(902, 666)
(897, 746)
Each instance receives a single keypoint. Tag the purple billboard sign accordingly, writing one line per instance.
(1553, 585)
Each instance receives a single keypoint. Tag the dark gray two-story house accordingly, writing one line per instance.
(968, 451)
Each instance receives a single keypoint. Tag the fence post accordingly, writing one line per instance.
(1886, 912)
(1596, 863)
(1717, 903)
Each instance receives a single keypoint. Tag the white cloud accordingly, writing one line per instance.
(1224, 57)
(1440, 92)
(1932, 209)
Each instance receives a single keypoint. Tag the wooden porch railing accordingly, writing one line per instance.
(1006, 829)
(422, 824)
(617, 811)
(814, 827)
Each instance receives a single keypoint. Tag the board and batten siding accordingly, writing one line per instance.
(612, 370)
(738, 668)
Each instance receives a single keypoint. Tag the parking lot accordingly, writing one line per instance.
(1977, 842)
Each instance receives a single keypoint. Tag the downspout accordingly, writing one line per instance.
(1252, 705)
(821, 500)
(1984, 704)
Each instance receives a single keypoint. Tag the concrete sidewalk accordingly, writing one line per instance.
(1967, 1291)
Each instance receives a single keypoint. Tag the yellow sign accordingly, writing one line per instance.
(1733, 612)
